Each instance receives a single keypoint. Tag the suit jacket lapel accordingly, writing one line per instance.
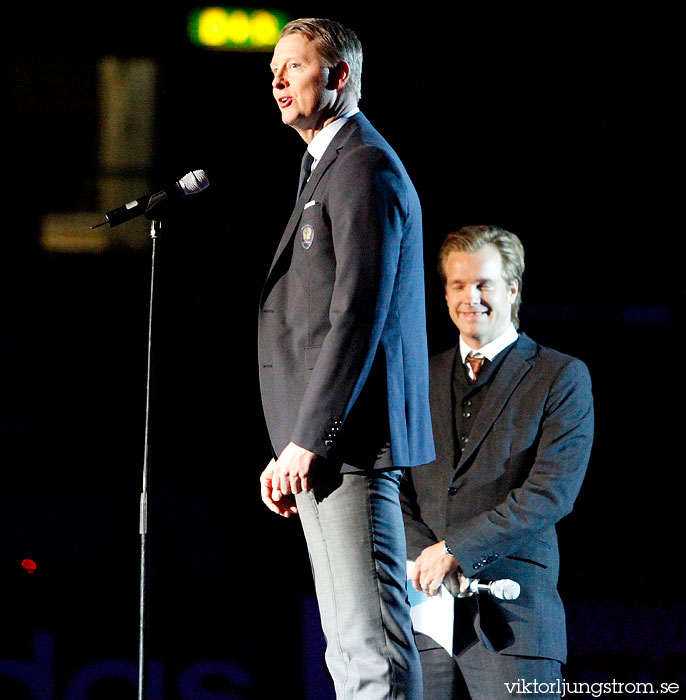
(441, 397)
(324, 164)
(508, 376)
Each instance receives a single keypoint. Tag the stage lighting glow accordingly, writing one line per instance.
(29, 566)
(235, 29)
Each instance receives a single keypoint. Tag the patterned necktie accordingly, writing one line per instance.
(475, 363)
(305, 167)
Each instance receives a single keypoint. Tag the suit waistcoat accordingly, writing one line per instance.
(469, 398)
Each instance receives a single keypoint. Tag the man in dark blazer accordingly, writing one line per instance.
(343, 362)
(512, 445)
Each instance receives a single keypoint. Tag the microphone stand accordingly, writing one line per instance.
(155, 228)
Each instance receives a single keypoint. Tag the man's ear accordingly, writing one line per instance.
(338, 76)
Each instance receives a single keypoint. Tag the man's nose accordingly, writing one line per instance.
(279, 80)
(473, 294)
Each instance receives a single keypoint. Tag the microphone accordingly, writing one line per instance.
(191, 183)
(503, 589)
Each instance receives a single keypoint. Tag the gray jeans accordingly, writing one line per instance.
(354, 531)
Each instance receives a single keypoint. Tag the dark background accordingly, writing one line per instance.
(560, 122)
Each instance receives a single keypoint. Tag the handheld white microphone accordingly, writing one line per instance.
(503, 589)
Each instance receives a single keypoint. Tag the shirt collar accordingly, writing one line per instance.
(490, 350)
(321, 141)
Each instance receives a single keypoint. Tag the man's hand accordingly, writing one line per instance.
(274, 499)
(432, 566)
(291, 473)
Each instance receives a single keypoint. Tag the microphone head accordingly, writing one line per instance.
(194, 182)
(505, 589)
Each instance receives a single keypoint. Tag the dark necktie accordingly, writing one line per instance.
(475, 363)
(305, 167)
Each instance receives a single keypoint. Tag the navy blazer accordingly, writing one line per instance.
(342, 331)
(497, 504)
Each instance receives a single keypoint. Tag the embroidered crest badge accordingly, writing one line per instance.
(307, 236)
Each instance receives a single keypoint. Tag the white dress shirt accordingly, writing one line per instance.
(490, 350)
(321, 141)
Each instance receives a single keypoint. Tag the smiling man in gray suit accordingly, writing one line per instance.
(343, 362)
(513, 426)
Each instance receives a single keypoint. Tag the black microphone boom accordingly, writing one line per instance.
(191, 183)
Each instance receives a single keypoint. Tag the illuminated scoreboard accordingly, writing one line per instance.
(235, 29)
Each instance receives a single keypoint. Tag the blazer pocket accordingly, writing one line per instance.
(312, 208)
(526, 561)
(312, 216)
(311, 355)
(310, 227)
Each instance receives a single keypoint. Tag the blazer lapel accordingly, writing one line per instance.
(324, 164)
(513, 369)
(441, 397)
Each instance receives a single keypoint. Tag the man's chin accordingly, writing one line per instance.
(474, 337)
(473, 329)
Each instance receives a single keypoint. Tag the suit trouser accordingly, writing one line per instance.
(481, 674)
(356, 541)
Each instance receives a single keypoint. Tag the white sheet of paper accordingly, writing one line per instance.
(433, 616)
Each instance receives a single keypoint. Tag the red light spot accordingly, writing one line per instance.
(29, 566)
